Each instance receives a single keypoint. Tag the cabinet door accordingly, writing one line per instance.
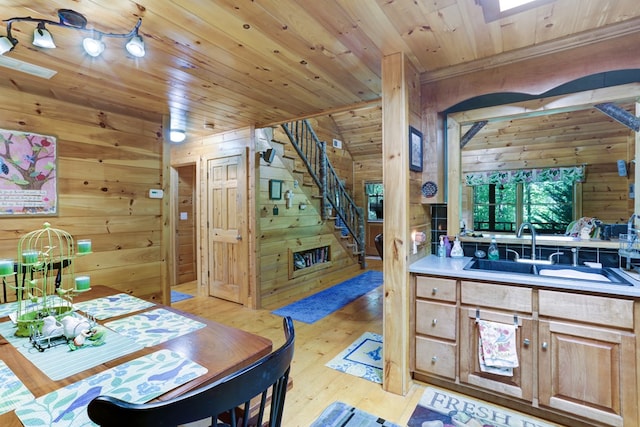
(588, 371)
(519, 385)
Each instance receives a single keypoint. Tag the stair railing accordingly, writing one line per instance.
(334, 197)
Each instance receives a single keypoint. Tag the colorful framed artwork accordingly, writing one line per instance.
(28, 174)
(415, 149)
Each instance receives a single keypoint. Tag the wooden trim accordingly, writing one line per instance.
(558, 45)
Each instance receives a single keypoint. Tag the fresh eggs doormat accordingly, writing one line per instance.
(442, 408)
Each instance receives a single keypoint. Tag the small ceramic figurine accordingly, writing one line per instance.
(74, 326)
(51, 327)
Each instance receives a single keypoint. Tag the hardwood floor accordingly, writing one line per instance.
(314, 385)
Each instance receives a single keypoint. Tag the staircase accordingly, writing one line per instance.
(336, 203)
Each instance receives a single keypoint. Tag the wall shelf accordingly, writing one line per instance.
(308, 260)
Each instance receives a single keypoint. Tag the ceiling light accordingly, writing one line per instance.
(93, 47)
(177, 135)
(135, 46)
(42, 37)
(5, 45)
(70, 19)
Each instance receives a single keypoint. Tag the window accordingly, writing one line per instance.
(496, 9)
(547, 205)
(374, 192)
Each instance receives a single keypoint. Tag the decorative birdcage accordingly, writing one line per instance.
(46, 282)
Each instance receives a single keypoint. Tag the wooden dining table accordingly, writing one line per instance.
(219, 348)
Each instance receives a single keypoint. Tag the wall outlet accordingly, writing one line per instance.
(155, 194)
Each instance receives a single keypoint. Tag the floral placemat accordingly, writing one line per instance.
(154, 327)
(60, 362)
(112, 306)
(12, 392)
(11, 307)
(137, 381)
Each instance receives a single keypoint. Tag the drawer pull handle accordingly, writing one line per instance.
(434, 322)
(434, 291)
(545, 345)
(434, 359)
(526, 342)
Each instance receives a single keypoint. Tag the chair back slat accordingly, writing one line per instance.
(227, 399)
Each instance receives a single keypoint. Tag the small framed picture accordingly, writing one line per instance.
(275, 189)
(415, 149)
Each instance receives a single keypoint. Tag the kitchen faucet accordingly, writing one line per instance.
(533, 237)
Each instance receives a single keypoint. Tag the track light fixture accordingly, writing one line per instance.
(93, 44)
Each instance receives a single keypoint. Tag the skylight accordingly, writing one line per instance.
(497, 9)
(510, 4)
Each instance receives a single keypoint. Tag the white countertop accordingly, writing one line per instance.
(454, 267)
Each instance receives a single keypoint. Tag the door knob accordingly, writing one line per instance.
(526, 342)
(238, 237)
(545, 345)
(434, 322)
(434, 359)
(434, 291)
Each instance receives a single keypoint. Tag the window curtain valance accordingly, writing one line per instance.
(567, 175)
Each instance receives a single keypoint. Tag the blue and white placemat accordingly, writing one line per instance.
(137, 381)
(60, 362)
(154, 327)
(112, 306)
(11, 307)
(12, 392)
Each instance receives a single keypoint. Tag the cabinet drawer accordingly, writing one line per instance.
(436, 357)
(436, 319)
(436, 288)
(587, 308)
(493, 295)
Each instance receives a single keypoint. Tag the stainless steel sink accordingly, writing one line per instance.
(502, 266)
(556, 271)
(604, 274)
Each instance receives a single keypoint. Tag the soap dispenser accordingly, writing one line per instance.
(456, 251)
(441, 250)
(493, 253)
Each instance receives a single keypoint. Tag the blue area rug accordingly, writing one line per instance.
(317, 306)
(179, 296)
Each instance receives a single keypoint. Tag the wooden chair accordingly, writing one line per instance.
(228, 398)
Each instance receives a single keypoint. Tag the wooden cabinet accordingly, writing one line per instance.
(577, 353)
(586, 368)
(501, 304)
(436, 326)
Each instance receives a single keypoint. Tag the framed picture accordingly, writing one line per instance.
(275, 189)
(415, 149)
(28, 174)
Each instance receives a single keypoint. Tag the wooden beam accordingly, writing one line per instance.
(619, 114)
(475, 128)
(395, 154)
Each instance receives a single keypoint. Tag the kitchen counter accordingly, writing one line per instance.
(454, 267)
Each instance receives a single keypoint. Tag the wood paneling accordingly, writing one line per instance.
(231, 66)
(106, 165)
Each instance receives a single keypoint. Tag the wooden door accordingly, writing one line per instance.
(588, 371)
(519, 385)
(226, 229)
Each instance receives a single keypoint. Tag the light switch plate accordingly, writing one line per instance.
(155, 194)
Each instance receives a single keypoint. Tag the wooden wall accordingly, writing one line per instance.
(273, 236)
(584, 137)
(106, 165)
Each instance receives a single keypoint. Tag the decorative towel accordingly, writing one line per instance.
(497, 348)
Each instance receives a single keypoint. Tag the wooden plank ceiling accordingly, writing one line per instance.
(227, 64)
